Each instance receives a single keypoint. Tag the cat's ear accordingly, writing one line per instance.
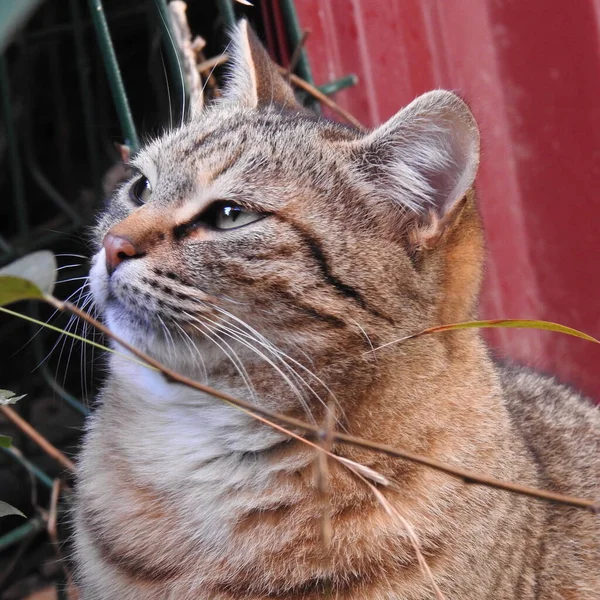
(253, 78)
(424, 158)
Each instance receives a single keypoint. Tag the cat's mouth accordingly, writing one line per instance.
(148, 305)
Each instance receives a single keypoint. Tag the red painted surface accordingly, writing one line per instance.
(531, 72)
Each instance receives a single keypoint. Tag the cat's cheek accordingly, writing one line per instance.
(99, 280)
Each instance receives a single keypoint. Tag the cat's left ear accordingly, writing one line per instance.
(425, 157)
(253, 78)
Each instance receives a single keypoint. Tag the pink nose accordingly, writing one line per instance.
(118, 249)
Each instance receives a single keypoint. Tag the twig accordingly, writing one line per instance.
(40, 440)
(323, 475)
(297, 52)
(412, 536)
(458, 472)
(183, 38)
(322, 98)
(297, 81)
(490, 324)
(52, 528)
(211, 63)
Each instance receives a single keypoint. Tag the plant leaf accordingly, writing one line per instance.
(28, 278)
(7, 397)
(5, 441)
(7, 509)
(513, 323)
(74, 336)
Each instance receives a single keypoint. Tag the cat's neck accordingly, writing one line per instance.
(161, 421)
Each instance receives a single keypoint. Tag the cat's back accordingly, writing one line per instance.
(561, 430)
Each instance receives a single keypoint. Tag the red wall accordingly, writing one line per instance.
(531, 72)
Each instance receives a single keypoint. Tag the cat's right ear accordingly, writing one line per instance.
(425, 158)
(253, 78)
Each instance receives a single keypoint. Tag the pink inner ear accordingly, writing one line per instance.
(254, 78)
(124, 152)
(431, 151)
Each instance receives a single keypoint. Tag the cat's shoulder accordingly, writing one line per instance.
(529, 392)
(560, 426)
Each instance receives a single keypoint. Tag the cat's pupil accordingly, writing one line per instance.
(141, 190)
(232, 212)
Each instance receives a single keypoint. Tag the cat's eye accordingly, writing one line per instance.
(229, 215)
(141, 191)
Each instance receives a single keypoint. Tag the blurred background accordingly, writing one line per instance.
(78, 76)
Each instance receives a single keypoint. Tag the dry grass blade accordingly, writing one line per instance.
(39, 439)
(207, 65)
(52, 528)
(323, 454)
(51, 525)
(365, 471)
(412, 536)
(322, 98)
(269, 416)
(297, 51)
(495, 323)
(183, 39)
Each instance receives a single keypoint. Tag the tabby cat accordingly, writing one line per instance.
(267, 251)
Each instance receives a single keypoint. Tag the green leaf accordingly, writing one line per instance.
(513, 323)
(75, 336)
(7, 509)
(7, 397)
(5, 441)
(28, 278)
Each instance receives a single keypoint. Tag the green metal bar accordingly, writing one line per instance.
(227, 12)
(66, 396)
(13, 149)
(295, 36)
(32, 527)
(62, 589)
(173, 56)
(34, 242)
(87, 103)
(39, 355)
(113, 73)
(12, 17)
(67, 28)
(40, 475)
(44, 183)
(4, 245)
(338, 84)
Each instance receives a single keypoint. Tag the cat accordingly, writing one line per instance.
(267, 251)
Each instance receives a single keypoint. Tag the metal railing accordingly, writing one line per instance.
(22, 158)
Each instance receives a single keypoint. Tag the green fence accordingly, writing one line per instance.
(81, 29)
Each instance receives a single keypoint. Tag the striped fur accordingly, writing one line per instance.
(365, 238)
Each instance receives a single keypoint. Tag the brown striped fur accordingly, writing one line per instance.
(364, 238)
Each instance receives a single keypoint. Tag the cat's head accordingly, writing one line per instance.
(258, 218)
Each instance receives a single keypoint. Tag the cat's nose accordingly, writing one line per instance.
(118, 249)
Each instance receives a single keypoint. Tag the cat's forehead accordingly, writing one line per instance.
(221, 136)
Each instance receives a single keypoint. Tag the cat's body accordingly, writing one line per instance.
(347, 241)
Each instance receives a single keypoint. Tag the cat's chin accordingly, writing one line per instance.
(156, 341)
(131, 329)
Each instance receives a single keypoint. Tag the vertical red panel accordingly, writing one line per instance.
(531, 72)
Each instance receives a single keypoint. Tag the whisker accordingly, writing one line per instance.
(70, 266)
(72, 255)
(235, 360)
(194, 349)
(168, 30)
(71, 279)
(268, 345)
